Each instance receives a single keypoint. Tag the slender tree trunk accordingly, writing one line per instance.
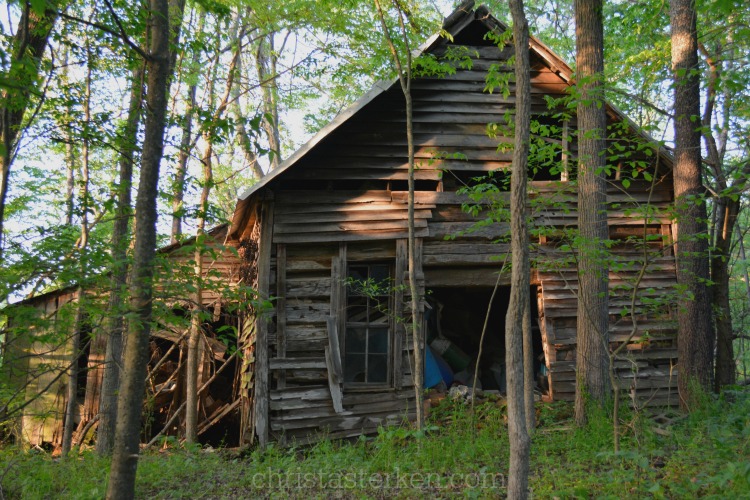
(130, 401)
(105, 434)
(266, 64)
(592, 358)
(70, 179)
(726, 208)
(186, 145)
(70, 157)
(194, 341)
(518, 321)
(746, 277)
(243, 137)
(178, 185)
(404, 69)
(31, 38)
(72, 403)
(194, 358)
(695, 329)
(528, 365)
(726, 370)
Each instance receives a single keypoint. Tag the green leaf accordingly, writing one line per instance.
(38, 6)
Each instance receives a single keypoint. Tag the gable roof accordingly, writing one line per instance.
(454, 24)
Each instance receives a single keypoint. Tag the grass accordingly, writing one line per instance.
(706, 454)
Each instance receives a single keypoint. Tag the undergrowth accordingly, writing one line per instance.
(704, 454)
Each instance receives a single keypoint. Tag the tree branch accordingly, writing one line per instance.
(121, 34)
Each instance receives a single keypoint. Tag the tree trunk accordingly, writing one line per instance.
(72, 403)
(105, 434)
(404, 69)
(266, 64)
(194, 357)
(695, 330)
(194, 341)
(592, 339)
(31, 38)
(186, 144)
(517, 323)
(130, 401)
(726, 370)
(243, 137)
(746, 278)
(178, 184)
(70, 157)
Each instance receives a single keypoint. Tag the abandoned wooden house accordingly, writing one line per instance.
(324, 236)
(37, 365)
(331, 358)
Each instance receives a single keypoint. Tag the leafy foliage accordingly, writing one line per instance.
(705, 454)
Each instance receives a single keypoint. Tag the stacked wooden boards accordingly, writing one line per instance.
(36, 364)
(310, 283)
(39, 368)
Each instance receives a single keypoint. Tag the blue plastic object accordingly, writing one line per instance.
(432, 375)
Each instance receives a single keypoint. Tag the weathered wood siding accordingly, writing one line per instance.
(641, 288)
(38, 367)
(36, 363)
(345, 201)
(302, 404)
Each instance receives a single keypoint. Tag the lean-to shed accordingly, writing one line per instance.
(37, 352)
(332, 356)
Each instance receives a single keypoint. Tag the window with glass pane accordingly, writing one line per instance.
(367, 338)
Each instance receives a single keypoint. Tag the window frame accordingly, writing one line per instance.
(388, 325)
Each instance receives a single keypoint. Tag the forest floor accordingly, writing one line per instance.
(664, 455)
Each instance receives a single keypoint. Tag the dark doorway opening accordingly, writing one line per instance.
(454, 328)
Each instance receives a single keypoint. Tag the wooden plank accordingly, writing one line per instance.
(399, 332)
(338, 288)
(492, 52)
(373, 224)
(211, 421)
(342, 422)
(305, 394)
(300, 288)
(437, 95)
(340, 216)
(281, 309)
(260, 399)
(349, 208)
(333, 365)
(431, 198)
(365, 174)
(300, 363)
(466, 276)
(431, 139)
(333, 383)
(333, 339)
(307, 311)
(462, 260)
(327, 237)
(463, 247)
(375, 250)
(424, 153)
(292, 404)
(441, 230)
(298, 264)
(305, 197)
